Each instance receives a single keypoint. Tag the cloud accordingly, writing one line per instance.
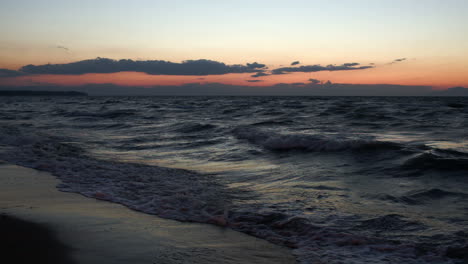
(317, 68)
(259, 74)
(199, 67)
(254, 81)
(314, 81)
(397, 60)
(10, 73)
(63, 47)
(154, 67)
(255, 65)
(352, 64)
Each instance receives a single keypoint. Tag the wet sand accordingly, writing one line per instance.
(95, 231)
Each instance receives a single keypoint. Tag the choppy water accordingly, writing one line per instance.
(339, 179)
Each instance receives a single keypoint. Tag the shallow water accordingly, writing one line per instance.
(377, 179)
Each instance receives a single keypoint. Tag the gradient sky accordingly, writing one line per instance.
(430, 34)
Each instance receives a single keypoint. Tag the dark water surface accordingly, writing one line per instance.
(340, 179)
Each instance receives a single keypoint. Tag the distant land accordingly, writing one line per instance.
(218, 89)
(41, 93)
(455, 91)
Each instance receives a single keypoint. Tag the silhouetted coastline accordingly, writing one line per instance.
(42, 93)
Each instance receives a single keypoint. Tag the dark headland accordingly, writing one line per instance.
(41, 93)
(454, 91)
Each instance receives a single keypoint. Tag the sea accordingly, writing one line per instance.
(336, 179)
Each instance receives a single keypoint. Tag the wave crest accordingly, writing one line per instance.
(436, 161)
(309, 142)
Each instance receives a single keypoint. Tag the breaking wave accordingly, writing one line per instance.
(310, 142)
(434, 161)
(188, 196)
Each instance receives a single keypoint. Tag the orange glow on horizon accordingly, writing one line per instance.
(439, 75)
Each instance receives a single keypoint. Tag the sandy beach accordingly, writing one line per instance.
(94, 231)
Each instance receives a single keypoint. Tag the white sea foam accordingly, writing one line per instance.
(172, 193)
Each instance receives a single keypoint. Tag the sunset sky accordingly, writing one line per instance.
(406, 42)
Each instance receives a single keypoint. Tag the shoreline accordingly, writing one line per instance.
(102, 232)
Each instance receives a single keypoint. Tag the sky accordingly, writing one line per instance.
(150, 43)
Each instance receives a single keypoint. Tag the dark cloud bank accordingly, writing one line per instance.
(317, 68)
(155, 67)
(160, 67)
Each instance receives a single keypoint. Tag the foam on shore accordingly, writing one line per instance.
(102, 232)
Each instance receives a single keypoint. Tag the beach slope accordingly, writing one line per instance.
(102, 232)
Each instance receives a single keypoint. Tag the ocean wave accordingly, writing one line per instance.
(456, 105)
(419, 197)
(192, 127)
(320, 187)
(436, 161)
(112, 101)
(391, 222)
(433, 194)
(310, 142)
(89, 123)
(172, 193)
(101, 114)
(273, 122)
(189, 196)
